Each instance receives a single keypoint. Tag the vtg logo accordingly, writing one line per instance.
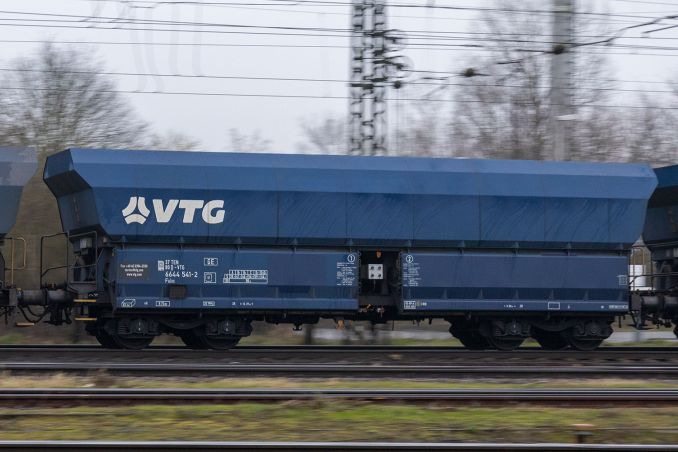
(137, 212)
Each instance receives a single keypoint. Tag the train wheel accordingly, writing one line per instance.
(106, 340)
(587, 336)
(469, 335)
(129, 343)
(584, 345)
(219, 343)
(192, 340)
(472, 340)
(505, 344)
(549, 340)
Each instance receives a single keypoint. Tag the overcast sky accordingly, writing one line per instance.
(208, 118)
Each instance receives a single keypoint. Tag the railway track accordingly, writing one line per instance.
(352, 361)
(565, 397)
(344, 370)
(323, 446)
(246, 349)
(330, 353)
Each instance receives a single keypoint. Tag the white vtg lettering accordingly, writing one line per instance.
(211, 212)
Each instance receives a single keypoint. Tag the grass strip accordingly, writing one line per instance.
(324, 420)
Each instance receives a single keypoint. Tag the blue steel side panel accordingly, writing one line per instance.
(588, 217)
(661, 222)
(279, 199)
(17, 166)
(514, 282)
(297, 208)
(242, 280)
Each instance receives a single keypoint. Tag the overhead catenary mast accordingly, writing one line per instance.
(369, 61)
(562, 86)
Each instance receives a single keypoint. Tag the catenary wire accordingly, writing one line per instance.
(305, 79)
(308, 96)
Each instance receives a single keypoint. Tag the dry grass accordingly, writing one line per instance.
(102, 379)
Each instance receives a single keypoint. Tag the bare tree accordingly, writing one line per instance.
(51, 101)
(174, 141)
(649, 133)
(419, 127)
(59, 99)
(502, 111)
(420, 132)
(325, 135)
(248, 142)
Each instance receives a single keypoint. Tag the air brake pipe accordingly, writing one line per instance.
(42, 297)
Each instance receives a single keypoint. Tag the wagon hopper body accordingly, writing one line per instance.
(17, 165)
(201, 244)
(657, 302)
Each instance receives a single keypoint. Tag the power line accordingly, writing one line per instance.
(291, 3)
(393, 5)
(256, 7)
(307, 96)
(423, 38)
(608, 41)
(236, 5)
(172, 30)
(190, 76)
(117, 21)
(428, 38)
(428, 46)
(111, 20)
(315, 80)
(180, 93)
(450, 73)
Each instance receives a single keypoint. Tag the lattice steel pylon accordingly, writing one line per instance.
(369, 78)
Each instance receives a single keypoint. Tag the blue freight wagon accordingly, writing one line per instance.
(201, 244)
(17, 165)
(656, 300)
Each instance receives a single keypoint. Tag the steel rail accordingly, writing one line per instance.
(325, 446)
(351, 361)
(342, 369)
(329, 353)
(244, 349)
(178, 395)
